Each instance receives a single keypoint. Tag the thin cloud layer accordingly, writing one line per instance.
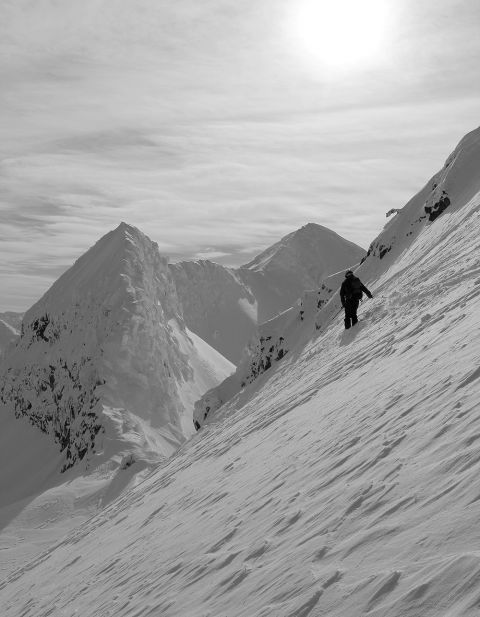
(198, 123)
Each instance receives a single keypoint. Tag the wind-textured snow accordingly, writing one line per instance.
(342, 482)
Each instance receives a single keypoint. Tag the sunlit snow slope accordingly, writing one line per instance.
(342, 482)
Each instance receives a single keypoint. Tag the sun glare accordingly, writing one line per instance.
(341, 34)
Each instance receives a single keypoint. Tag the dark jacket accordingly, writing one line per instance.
(353, 288)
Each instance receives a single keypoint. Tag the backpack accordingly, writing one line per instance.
(354, 288)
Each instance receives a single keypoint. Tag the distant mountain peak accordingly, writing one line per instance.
(309, 243)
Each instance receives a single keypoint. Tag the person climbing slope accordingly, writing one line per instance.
(351, 293)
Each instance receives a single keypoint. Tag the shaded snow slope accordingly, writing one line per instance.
(224, 305)
(99, 366)
(345, 482)
(216, 305)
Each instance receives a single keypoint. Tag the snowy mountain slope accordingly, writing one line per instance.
(224, 305)
(274, 339)
(344, 482)
(99, 365)
(216, 305)
(37, 504)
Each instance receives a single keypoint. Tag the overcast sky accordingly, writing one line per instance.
(218, 126)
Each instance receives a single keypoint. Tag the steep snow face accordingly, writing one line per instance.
(342, 482)
(300, 261)
(216, 305)
(449, 189)
(99, 365)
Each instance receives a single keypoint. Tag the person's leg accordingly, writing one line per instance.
(354, 309)
(348, 313)
(347, 316)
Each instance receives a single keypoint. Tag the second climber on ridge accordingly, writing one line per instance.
(351, 293)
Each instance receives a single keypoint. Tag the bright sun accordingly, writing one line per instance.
(341, 34)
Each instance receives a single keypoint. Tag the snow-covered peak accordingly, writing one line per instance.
(311, 244)
(110, 269)
(105, 362)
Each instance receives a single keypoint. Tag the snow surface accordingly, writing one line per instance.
(343, 481)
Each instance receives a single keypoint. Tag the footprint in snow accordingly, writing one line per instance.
(348, 336)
